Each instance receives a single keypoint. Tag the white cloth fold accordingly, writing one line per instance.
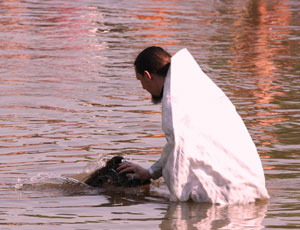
(209, 155)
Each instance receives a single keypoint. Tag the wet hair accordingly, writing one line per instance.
(109, 176)
(153, 59)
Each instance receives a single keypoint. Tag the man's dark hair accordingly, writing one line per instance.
(109, 176)
(153, 59)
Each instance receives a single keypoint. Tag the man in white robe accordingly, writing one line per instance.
(209, 155)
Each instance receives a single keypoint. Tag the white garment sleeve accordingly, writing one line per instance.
(156, 170)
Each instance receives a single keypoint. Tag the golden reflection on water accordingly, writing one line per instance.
(153, 19)
(13, 22)
(254, 49)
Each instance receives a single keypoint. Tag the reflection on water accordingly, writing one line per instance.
(68, 97)
(257, 50)
(205, 216)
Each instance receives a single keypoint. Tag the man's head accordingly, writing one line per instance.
(151, 68)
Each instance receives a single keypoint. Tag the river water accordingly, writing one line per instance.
(69, 100)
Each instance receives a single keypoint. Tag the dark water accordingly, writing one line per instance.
(68, 97)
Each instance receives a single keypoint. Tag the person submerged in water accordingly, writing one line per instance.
(209, 155)
(109, 176)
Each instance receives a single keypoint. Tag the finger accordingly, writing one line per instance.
(124, 165)
(130, 168)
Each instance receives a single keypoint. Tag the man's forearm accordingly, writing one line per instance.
(156, 170)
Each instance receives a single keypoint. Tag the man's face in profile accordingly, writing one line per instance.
(149, 83)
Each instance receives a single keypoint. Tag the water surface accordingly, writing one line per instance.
(69, 97)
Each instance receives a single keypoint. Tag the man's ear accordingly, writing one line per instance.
(147, 75)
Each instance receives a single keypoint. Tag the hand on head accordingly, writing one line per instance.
(134, 171)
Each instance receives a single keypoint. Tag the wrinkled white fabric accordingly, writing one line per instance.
(209, 155)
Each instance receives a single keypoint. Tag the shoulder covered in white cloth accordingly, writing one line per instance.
(209, 155)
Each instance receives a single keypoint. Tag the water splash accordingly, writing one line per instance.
(94, 165)
(53, 183)
(72, 184)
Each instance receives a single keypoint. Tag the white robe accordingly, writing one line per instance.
(209, 155)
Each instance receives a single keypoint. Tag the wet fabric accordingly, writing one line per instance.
(209, 155)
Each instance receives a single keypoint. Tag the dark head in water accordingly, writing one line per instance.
(109, 175)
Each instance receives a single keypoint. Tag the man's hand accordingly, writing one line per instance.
(134, 171)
